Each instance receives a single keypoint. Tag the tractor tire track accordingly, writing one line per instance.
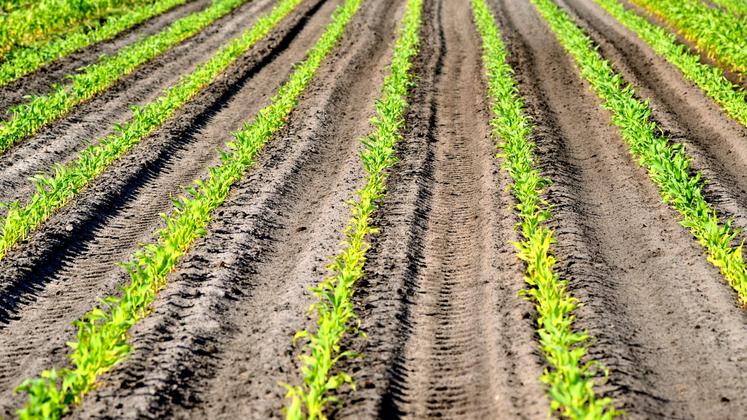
(61, 141)
(70, 263)
(39, 82)
(716, 143)
(447, 334)
(731, 75)
(663, 320)
(220, 337)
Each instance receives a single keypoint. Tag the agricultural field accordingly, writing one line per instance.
(352, 209)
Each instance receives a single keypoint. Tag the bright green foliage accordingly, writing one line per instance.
(335, 311)
(28, 118)
(709, 78)
(53, 192)
(102, 333)
(44, 18)
(570, 380)
(24, 60)
(718, 34)
(736, 7)
(667, 163)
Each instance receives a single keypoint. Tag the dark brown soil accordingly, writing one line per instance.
(39, 82)
(68, 265)
(87, 123)
(268, 247)
(717, 143)
(733, 76)
(447, 333)
(663, 320)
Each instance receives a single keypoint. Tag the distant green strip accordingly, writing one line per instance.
(41, 110)
(736, 7)
(335, 311)
(667, 163)
(102, 338)
(709, 78)
(43, 19)
(716, 33)
(54, 192)
(571, 377)
(25, 60)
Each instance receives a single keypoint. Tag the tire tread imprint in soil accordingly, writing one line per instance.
(62, 140)
(664, 322)
(71, 262)
(227, 318)
(446, 155)
(716, 143)
(40, 81)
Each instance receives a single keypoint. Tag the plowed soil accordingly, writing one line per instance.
(447, 333)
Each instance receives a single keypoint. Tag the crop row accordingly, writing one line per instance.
(47, 18)
(570, 379)
(55, 191)
(736, 7)
(334, 308)
(24, 60)
(667, 163)
(102, 333)
(718, 34)
(102, 338)
(709, 78)
(41, 110)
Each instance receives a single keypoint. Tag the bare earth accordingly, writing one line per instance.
(447, 334)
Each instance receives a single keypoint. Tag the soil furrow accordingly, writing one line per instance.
(61, 141)
(731, 75)
(227, 318)
(717, 144)
(451, 353)
(661, 316)
(40, 81)
(70, 263)
(447, 334)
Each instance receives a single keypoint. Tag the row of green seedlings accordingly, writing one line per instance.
(710, 79)
(56, 190)
(102, 338)
(570, 378)
(334, 308)
(718, 34)
(8, 6)
(736, 7)
(46, 18)
(24, 60)
(667, 162)
(41, 110)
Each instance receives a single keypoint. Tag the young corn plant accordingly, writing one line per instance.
(56, 190)
(45, 18)
(736, 7)
(39, 111)
(710, 79)
(667, 163)
(334, 309)
(102, 339)
(570, 379)
(24, 60)
(718, 34)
